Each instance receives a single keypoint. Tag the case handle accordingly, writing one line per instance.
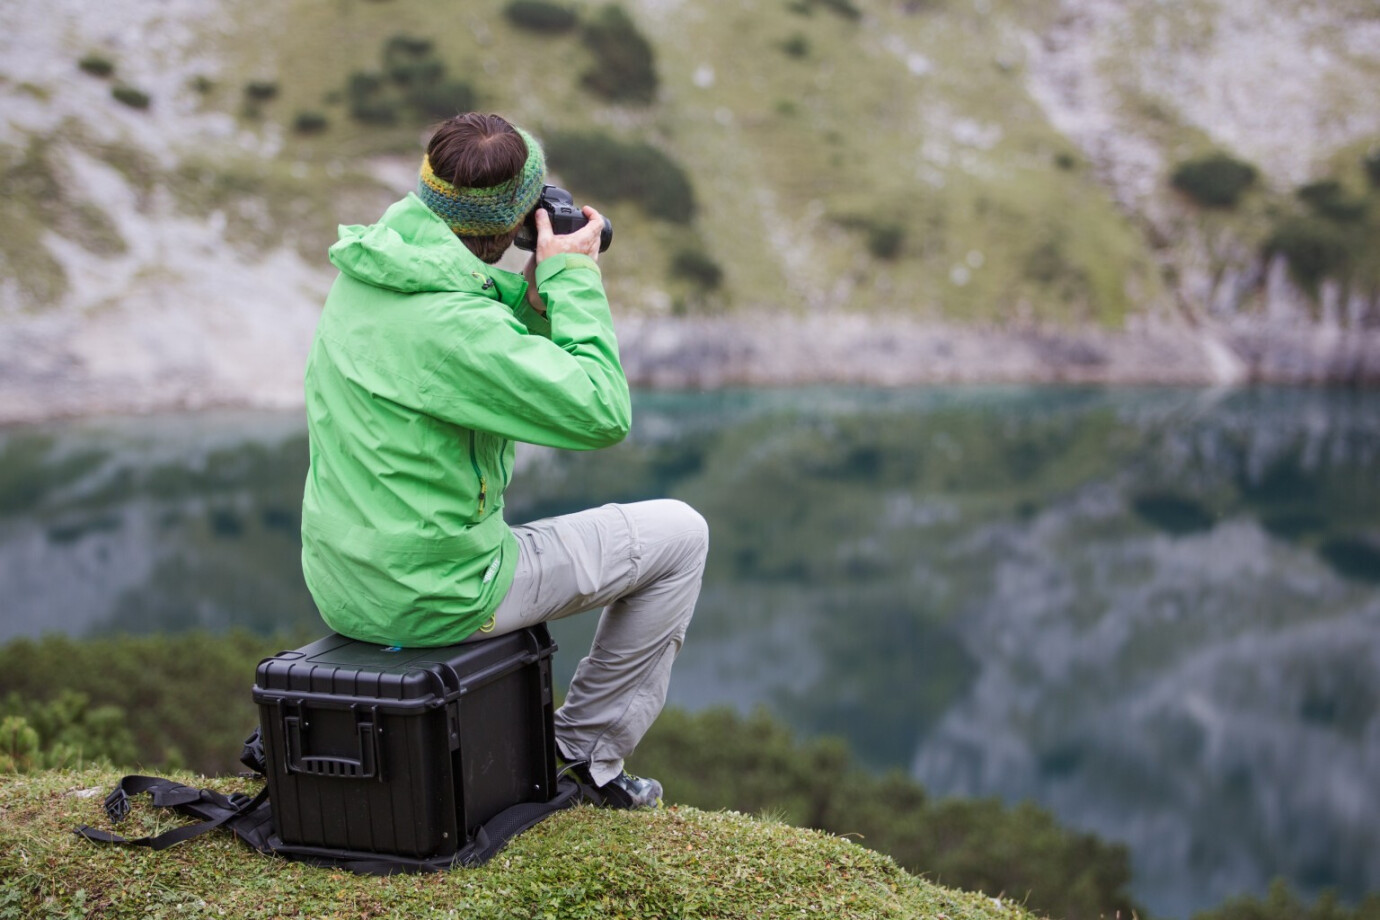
(363, 766)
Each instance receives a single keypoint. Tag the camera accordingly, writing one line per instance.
(565, 218)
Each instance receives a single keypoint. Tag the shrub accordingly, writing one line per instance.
(616, 171)
(261, 90)
(844, 8)
(1328, 199)
(409, 62)
(797, 46)
(367, 102)
(539, 16)
(134, 98)
(1371, 162)
(885, 238)
(1216, 180)
(442, 100)
(413, 82)
(202, 84)
(624, 68)
(96, 65)
(310, 123)
(698, 268)
(1316, 249)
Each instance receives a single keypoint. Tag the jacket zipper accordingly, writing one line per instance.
(483, 483)
(502, 464)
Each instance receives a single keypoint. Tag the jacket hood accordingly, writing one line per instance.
(410, 249)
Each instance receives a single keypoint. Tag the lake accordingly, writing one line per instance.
(1154, 612)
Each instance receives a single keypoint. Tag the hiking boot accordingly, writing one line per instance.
(623, 791)
(628, 791)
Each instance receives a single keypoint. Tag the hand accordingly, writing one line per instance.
(585, 240)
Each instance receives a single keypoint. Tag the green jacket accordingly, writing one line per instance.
(427, 365)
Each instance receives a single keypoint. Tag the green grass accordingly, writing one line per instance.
(676, 862)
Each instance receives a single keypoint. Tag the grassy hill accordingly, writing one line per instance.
(672, 863)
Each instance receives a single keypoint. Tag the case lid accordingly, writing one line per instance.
(344, 671)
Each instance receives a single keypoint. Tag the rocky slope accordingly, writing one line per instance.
(169, 254)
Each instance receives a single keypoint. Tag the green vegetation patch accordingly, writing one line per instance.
(624, 68)
(613, 170)
(97, 65)
(131, 96)
(413, 86)
(1329, 199)
(1316, 249)
(541, 16)
(1216, 180)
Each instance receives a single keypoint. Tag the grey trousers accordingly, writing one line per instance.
(641, 562)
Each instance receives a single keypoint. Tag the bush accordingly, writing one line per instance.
(96, 65)
(1216, 180)
(310, 123)
(615, 171)
(797, 46)
(409, 62)
(624, 69)
(539, 16)
(261, 90)
(413, 83)
(442, 100)
(844, 8)
(698, 268)
(1371, 162)
(1316, 249)
(1282, 904)
(134, 98)
(367, 102)
(885, 238)
(1328, 199)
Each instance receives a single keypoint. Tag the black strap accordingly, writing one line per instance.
(212, 807)
(251, 820)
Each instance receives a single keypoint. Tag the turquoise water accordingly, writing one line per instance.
(1155, 612)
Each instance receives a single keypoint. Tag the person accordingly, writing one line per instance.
(428, 363)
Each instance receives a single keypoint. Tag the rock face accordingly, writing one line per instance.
(1286, 86)
(146, 285)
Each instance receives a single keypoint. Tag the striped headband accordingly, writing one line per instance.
(486, 211)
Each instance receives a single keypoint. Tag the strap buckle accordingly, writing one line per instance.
(117, 804)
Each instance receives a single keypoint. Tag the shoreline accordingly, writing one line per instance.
(41, 380)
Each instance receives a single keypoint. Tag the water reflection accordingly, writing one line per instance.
(1154, 612)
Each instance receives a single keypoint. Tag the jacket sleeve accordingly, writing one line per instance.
(567, 391)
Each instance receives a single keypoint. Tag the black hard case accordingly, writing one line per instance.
(405, 751)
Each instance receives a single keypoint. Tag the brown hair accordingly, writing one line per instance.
(474, 150)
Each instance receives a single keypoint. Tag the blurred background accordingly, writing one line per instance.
(1020, 355)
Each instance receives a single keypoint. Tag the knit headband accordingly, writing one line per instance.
(486, 211)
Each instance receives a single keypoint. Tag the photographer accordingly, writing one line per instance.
(427, 365)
